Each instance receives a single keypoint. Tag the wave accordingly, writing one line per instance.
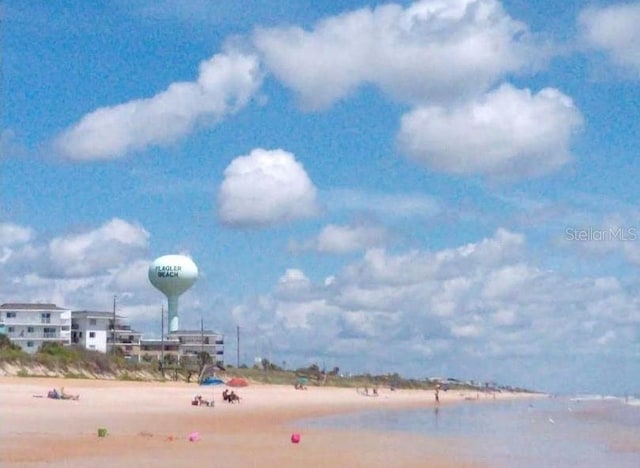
(627, 400)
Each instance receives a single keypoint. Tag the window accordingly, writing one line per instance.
(11, 315)
(29, 344)
(93, 321)
(92, 334)
(92, 346)
(10, 329)
(46, 317)
(30, 329)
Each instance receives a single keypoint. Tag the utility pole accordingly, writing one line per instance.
(162, 339)
(238, 346)
(113, 328)
(201, 336)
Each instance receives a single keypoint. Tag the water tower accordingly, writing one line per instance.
(173, 275)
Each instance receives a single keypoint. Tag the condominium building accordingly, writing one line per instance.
(193, 342)
(89, 329)
(95, 330)
(152, 349)
(31, 325)
(184, 344)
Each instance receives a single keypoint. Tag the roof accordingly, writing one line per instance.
(30, 306)
(158, 341)
(95, 313)
(194, 332)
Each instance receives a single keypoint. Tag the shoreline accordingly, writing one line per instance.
(151, 421)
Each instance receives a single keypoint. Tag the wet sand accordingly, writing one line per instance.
(150, 423)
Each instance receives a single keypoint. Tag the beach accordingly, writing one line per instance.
(151, 422)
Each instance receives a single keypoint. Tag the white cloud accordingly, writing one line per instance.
(388, 205)
(505, 133)
(264, 188)
(498, 305)
(614, 30)
(348, 238)
(14, 244)
(508, 281)
(431, 50)
(485, 300)
(14, 234)
(226, 82)
(466, 331)
(95, 252)
(82, 270)
(132, 275)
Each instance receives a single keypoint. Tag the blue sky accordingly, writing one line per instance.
(431, 188)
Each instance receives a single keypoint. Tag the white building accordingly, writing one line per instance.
(193, 342)
(184, 344)
(31, 325)
(89, 329)
(94, 330)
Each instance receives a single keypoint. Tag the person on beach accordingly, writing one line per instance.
(437, 394)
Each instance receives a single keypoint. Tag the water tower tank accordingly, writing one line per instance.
(173, 275)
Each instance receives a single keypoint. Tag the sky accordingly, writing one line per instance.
(437, 188)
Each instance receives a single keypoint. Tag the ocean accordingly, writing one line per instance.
(567, 431)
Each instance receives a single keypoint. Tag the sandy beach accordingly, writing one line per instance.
(150, 423)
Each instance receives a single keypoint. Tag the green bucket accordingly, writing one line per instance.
(102, 432)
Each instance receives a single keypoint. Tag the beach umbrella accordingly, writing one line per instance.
(212, 381)
(237, 382)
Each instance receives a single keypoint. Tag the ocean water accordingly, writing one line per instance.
(578, 431)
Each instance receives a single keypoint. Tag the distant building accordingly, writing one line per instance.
(183, 344)
(151, 349)
(89, 329)
(127, 340)
(193, 342)
(95, 330)
(31, 325)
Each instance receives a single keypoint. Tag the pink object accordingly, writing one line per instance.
(295, 438)
(194, 437)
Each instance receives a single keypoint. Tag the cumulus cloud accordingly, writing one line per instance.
(225, 84)
(15, 245)
(386, 205)
(13, 234)
(95, 252)
(429, 51)
(82, 270)
(265, 187)
(506, 133)
(342, 239)
(498, 305)
(614, 30)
